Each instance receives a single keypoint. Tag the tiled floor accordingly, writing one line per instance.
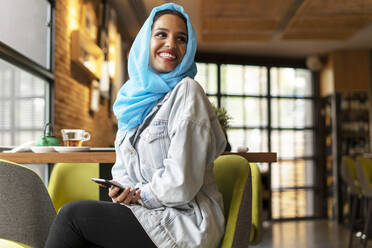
(306, 234)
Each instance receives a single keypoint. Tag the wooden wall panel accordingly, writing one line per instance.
(351, 70)
(346, 71)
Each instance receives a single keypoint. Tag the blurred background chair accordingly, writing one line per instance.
(26, 210)
(72, 182)
(364, 175)
(348, 174)
(240, 185)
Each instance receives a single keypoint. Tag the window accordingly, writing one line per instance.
(22, 105)
(292, 136)
(26, 76)
(25, 27)
(207, 78)
(272, 109)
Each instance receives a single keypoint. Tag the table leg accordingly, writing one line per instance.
(49, 169)
(104, 172)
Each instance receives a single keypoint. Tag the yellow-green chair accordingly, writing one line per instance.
(12, 244)
(72, 182)
(256, 228)
(364, 174)
(233, 177)
(26, 210)
(348, 174)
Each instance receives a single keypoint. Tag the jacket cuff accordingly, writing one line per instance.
(148, 198)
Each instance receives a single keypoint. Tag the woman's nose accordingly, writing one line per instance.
(171, 42)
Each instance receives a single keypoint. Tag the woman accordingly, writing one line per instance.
(167, 141)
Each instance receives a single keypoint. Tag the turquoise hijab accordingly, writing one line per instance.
(138, 96)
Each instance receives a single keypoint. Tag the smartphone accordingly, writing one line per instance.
(108, 183)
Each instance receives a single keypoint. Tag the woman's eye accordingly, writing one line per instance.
(161, 35)
(182, 39)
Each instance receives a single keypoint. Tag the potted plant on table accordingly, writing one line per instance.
(223, 119)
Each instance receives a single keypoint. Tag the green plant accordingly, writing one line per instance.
(222, 116)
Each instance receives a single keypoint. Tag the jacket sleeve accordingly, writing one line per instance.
(196, 140)
(119, 173)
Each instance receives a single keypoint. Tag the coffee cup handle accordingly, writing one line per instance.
(86, 136)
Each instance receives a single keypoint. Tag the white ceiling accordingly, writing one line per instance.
(128, 22)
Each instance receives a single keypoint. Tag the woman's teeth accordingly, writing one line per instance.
(167, 55)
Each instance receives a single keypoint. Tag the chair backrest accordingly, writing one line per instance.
(348, 173)
(256, 228)
(26, 211)
(72, 182)
(364, 174)
(233, 177)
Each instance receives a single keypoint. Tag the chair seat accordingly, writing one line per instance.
(4, 243)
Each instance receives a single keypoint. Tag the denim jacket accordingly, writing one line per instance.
(170, 158)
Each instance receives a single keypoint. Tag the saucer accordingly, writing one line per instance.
(102, 149)
(71, 148)
(42, 149)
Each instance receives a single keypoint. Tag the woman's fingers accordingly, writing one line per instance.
(121, 197)
(130, 196)
(136, 196)
(113, 191)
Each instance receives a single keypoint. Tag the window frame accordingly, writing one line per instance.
(23, 62)
(277, 62)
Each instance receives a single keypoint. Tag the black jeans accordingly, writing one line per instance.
(96, 224)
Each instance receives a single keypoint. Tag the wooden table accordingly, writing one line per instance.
(56, 157)
(105, 157)
(256, 157)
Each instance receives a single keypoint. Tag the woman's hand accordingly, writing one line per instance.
(128, 196)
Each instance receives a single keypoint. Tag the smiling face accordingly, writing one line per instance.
(168, 43)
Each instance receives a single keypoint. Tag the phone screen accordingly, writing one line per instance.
(107, 183)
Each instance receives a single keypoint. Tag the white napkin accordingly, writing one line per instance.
(25, 147)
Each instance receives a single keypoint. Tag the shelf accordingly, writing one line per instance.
(345, 126)
(352, 135)
(86, 54)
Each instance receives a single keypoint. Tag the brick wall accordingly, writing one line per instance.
(72, 86)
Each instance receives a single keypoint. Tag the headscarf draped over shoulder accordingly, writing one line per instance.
(141, 92)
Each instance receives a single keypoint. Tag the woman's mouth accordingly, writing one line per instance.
(170, 56)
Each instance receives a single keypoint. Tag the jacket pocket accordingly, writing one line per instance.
(157, 141)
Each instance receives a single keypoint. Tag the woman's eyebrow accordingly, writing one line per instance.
(165, 29)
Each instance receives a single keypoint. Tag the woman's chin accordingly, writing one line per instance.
(160, 70)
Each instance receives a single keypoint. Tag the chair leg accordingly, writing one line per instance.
(353, 209)
(368, 220)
